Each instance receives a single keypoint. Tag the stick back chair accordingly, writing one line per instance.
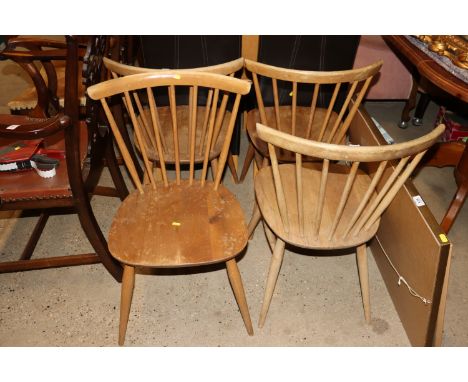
(84, 144)
(326, 117)
(183, 110)
(177, 222)
(333, 203)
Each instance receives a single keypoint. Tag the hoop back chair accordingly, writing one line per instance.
(331, 203)
(326, 117)
(183, 110)
(177, 222)
(84, 147)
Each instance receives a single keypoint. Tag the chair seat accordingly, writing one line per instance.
(183, 113)
(28, 99)
(28, 185)
(177, 226)
(266, 198)
(302, 120)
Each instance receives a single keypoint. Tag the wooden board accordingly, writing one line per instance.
(409, 236)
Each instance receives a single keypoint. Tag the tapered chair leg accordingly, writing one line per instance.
(35, 236)
(128, 282)
(455, 207)
(214, 168)
(238, 289)
(361, 256)
(409, 105)
(275, 266)
(232, 167)
(271, 238)
(247, 161)
(256, 216)
(157, 172)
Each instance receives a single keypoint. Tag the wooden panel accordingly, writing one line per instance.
(409, 236)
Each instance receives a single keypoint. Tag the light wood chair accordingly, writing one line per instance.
(178, 222)
(333, 203)
(183, 111)
(325, 118)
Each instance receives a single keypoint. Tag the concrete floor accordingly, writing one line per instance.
(317, 300)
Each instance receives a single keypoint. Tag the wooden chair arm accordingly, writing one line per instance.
(45, 84)
(52, 54)
(24, 127)
(34, 43)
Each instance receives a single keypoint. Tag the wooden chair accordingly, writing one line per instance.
(84, 143)
(331, 203)
(178, 222)
(183, 110)
(323, 120)
(326, 119)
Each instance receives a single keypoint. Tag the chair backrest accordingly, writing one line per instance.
(370, 194)
(182, 100)
(203, 130)
(227, 68)
(324, 120)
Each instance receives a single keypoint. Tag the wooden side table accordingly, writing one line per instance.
(450, 153)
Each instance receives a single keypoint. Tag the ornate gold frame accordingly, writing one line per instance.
(453, 47)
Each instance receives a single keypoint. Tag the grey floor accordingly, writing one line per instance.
(317, 300)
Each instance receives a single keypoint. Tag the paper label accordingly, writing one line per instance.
(418, 201)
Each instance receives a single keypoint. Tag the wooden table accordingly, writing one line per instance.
(429, 69)
(445, 154)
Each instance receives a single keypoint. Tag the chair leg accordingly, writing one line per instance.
(35, 236)
(256, 216)
(232, 167)
(238, 289)
(247, 161)
(128, 282)
(361, 256)
(275, 266)
(235, 161)
(455, 207)
(271, 238)
(409, 105)
(421, 108)
(214, 168)
(157, 172)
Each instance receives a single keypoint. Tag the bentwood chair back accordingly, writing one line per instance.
(184, 221)
(334, 202)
